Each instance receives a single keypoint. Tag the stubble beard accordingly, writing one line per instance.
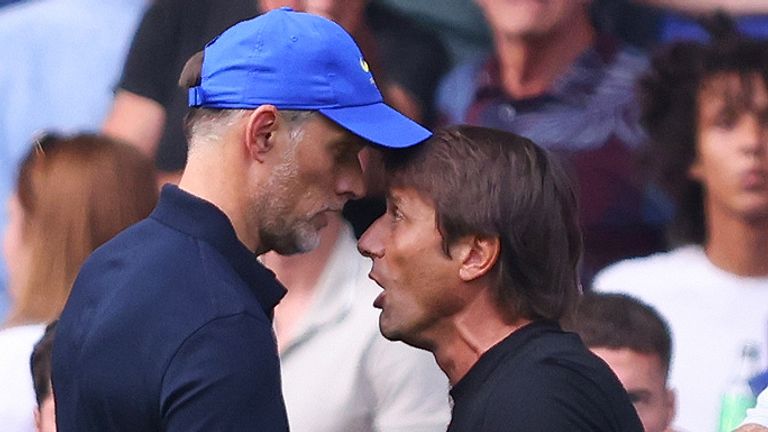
(271, 212)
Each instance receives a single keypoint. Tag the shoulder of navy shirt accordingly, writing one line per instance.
(157, 316)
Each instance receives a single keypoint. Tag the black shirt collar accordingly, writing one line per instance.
(201, 219)
(490, 360)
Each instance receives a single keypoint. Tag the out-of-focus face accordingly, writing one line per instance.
(347, 13)
(13, 246)
(644, 378)
(45, 416)
(318, 173)
(530, 18)
(732, 147)
(417, 277)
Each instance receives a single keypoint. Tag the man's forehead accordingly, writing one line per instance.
(407, 195)
(735, 91)
(341, 135)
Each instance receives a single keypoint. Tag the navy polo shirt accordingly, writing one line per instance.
(169, 328)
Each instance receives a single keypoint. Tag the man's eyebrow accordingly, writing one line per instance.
(349, 141)
(392, 198)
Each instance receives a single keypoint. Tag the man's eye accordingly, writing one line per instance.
(395, 213)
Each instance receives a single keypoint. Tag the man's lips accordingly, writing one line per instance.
(755, 179)
(379, 302)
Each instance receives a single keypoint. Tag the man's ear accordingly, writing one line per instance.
(260, 131)
(477, 256)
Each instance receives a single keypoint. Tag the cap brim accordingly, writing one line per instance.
(379, 124)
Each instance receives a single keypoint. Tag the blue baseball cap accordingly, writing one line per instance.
(299, 61)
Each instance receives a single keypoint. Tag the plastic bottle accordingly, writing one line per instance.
(738, 397)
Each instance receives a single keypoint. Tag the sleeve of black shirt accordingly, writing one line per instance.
(149, 69)
(225, 377)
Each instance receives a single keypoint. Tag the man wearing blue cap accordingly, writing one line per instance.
(169, 326)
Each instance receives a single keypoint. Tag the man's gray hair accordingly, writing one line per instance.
(205, 125)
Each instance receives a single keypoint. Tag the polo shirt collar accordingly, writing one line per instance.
(201, 219)
(502, 352)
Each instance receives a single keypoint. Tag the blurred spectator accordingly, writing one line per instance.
(675, 27)
(646, 23)
(635, 342)
(458, 23)
(72, 195)
(60, 61)
(555, 80)
(698, 7)
(705, 108)
(40, 366)
(331, 348)
(149, 107)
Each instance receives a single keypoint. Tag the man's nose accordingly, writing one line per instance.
(370, 244)
(351, 184)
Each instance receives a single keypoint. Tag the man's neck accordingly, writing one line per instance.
(206, 178)
(300, 274)
(469, 335)
(529, 66)
(738, 246)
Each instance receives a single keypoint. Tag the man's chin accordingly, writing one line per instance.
(302, 243)
(398, 335)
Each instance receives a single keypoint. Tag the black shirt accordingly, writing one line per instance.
(169, 328)
(541, 379)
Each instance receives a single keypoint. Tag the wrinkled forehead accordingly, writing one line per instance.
(734, 92)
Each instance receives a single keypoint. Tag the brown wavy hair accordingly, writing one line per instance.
(76, 193)
(489, 182)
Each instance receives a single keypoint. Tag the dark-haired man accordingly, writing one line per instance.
(635, 342)
(477, 255)
(169, 326)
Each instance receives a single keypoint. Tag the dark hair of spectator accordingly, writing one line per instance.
(618, 321)
(40, 363)
(670, 94)
(492, 183)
